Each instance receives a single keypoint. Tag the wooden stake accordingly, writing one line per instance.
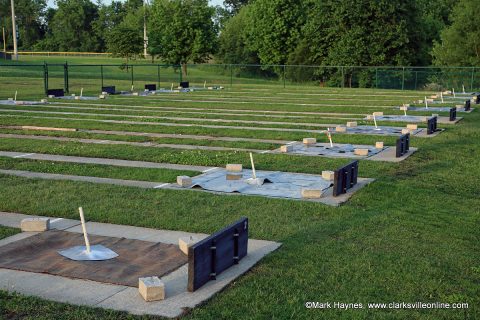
(85, 235)
(253, 167)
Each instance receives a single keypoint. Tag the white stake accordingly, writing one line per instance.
(85, 235)
(463, 88)
(453, 90)
(405, 110)
(15, 95)
(171, 89)
(205, 84)
(329, 135)
(375, 121)
(81, 92)
(426, 103)
(441, 96)
(253, 167)
(132, 88)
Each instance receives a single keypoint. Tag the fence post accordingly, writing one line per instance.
(471, 80)
(101, 72)
(343, 77)
(403, 78)
(45, 77)
(158, 75)
(180, 74)
(416, 80)
(65, 77)
(132, 75)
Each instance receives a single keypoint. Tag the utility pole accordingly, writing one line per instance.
(14, 32)
(4, 43)
(145, 38)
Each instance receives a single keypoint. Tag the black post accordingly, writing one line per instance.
(45, 77)
(101, 72)
(65, 77)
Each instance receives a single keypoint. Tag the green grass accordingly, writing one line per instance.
(7, 232)
(410, 236)
(104, 171)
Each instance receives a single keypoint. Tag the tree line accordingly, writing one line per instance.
(266, 32)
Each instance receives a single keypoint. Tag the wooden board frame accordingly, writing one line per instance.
(216, 253)
(345, 178)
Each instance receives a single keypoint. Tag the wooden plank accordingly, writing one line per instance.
(216, 253)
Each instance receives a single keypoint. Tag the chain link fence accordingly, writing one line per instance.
(37, 78)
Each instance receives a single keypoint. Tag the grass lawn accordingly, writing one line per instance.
(410, 236)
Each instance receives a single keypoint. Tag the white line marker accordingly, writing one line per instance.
(161, 185)
(24, 155)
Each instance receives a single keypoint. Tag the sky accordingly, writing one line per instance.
(51, 3)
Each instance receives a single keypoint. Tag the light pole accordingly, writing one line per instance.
(14, 32)
(145, 38)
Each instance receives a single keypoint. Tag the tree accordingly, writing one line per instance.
(234, 6)
(273, 28)
(182, 31)
(125, 41)
(109, 17)
(460, 42)
(72, 26)
(233, 48)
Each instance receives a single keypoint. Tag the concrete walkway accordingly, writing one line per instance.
(218, 110)
(144, 123)
(117, 142)
(123, 298)
(103, 161)
(150, 134)
(300, 124)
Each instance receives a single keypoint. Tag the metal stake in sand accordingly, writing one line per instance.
(453, 91)
(426, 103)
(405, 110)
(463, 88)
(171, 88)
(81, 92)
(441, 96)
(205, 84)
(87, 253)
(15, 99)
(132, 88)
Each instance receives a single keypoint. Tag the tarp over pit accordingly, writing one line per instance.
(381, 130)
(324, 149)
(20, 102)
(436, 109)
(277, 184)
(136, 258)
(398, 118)
(77, 98)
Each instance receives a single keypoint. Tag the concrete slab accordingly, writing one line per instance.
(380, 130)
(414, 119)
(339, 150)
(389, 154)
(82, 292)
